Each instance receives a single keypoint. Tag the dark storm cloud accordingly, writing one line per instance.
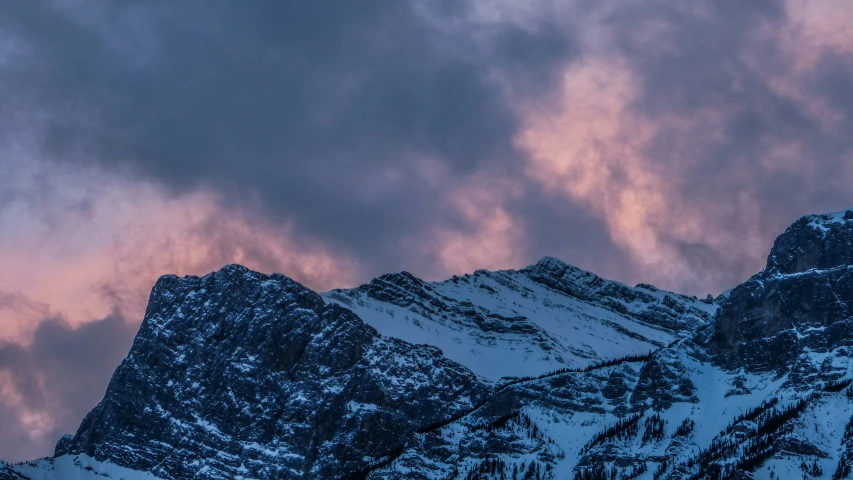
(562, 230)
(320, 110)
(833, 78)
(63, 374)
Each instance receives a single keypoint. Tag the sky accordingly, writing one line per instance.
(654, 141)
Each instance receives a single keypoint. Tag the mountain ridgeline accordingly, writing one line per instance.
(548, 372)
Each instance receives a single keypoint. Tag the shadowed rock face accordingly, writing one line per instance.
(239, 373)
(802, 299)
(814, 242)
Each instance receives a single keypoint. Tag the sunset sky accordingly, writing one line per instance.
(657, 141)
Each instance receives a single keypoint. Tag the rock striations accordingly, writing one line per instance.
(517, 323)
(547, 372)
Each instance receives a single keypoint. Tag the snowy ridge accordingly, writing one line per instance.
(822, 221)
(525, 322)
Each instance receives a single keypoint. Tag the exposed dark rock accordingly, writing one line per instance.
(801, 300)
(241, 371)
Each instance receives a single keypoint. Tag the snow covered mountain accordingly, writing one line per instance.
(544, 372)
(519, 323)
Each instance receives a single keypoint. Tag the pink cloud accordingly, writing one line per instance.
(817, 25)
(591, 146)
(493, 237)
(104, 241)
(595, 146)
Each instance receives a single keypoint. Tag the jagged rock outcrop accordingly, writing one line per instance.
(802, 299)
(242, 374)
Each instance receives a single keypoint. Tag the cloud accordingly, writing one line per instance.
(696, 134)
(633, 133)
(47, 387)
(491, 238)
(321, 114)
(85, 244)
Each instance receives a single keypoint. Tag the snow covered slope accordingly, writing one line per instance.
(72, 467)
(525, 322)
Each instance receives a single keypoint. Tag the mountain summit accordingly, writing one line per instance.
(548, 372)
(524, 322)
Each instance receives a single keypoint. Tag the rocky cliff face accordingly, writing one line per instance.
(545, 372)
(243, 374)
(800, 302)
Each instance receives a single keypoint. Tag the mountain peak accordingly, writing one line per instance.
(551, 263)
(813, 242)
(401, 277)
(555, 268)
(237, 359)
(801, 298)
(824, 219)
(510, 323)
(232, 269)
